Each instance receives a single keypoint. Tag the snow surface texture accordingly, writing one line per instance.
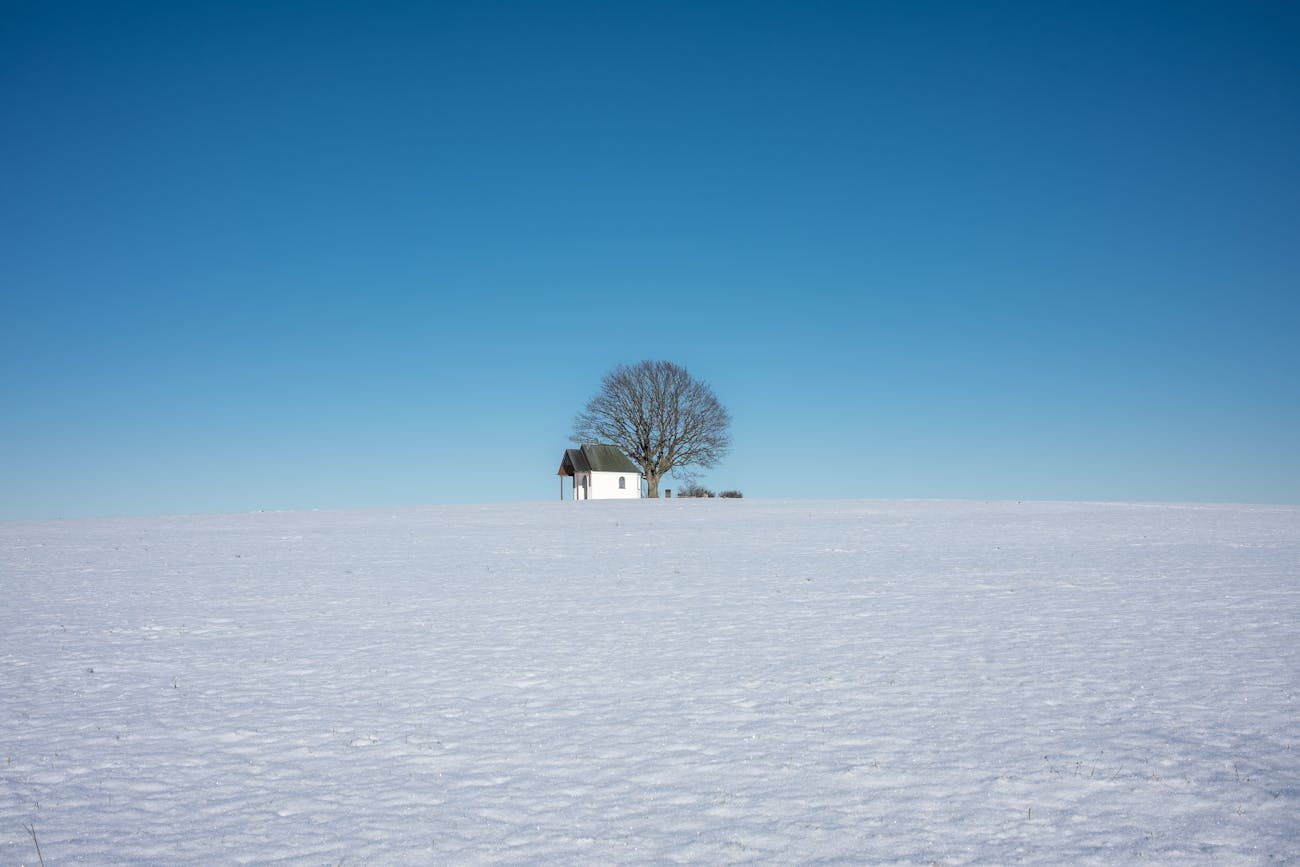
(655, 682)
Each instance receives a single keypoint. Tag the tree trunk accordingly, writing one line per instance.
(652, 486)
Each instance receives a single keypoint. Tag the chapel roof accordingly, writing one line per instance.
(597, 458)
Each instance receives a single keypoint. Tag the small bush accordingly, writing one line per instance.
(731, 495)
(695, 491)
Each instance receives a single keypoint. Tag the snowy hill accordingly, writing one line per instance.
(655, 682)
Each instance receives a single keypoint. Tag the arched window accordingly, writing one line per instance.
(622, 483)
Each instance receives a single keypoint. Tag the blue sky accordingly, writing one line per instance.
(295, 255)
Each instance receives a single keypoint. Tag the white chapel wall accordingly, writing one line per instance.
(604, 486)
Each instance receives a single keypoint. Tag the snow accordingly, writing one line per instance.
(668, 681)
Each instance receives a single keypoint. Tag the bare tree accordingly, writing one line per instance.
(660, 416)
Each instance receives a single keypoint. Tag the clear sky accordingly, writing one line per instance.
(270, 255)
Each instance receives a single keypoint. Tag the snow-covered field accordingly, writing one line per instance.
(655, 682)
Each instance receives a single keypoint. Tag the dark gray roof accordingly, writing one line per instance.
(574, 462)
(596, 458)
(609, 459)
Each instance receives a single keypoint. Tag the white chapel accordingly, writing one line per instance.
(600, 472)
